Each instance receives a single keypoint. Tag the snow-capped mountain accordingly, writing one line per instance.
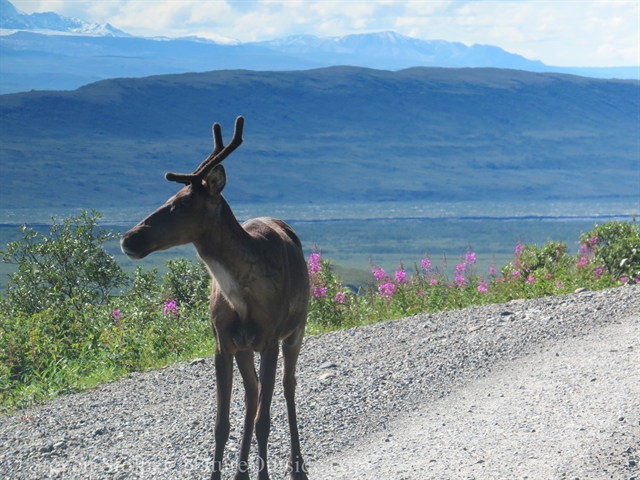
(399, 49)
(13, 19)
(382, 43)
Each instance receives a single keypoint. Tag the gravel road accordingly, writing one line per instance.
(546, 388)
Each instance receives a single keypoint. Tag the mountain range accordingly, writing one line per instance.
(13, 19)
(45, 51)
(338, 134)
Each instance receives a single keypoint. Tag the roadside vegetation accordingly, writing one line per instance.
(71, 318)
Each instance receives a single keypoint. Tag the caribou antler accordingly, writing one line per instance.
(220, 152)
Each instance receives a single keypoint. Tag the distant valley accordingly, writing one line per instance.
(332, 135)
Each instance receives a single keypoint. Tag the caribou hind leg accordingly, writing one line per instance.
(244, 359)
(268, 364)
(290, 351)
(224, 379)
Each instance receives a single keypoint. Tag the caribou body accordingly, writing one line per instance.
(259, 297)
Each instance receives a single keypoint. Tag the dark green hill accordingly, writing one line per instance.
(337, 134)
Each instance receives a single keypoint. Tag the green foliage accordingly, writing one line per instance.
(608, 257)
(617, 248)
(327, 300)
(67, 266)
(61, 349)
(63, 328)
(551, 257)
(187, 283)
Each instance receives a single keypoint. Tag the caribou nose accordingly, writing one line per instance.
(132, 245)
(124, 247)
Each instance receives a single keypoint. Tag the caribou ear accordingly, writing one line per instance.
(215, 180)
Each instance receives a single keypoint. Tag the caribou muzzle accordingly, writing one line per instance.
(135, 243)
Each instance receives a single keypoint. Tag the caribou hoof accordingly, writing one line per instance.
(297, 469)
(298, 476)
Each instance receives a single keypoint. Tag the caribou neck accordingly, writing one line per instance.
(225, 249)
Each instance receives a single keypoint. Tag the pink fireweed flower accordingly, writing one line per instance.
(548, 275)
(593, 241)
(171, 308)
(492, 269)
(379, 273)
(482, 287)
(583, 250)
(401, 274)
(433, 282)
(320, 292)
(582, 262)
(426, 264)
(638, 279)
(422, 292)
(559, 285)
(519, 248)
(518, 251)
(531, 280)
(624, 279)
(516, 273)
(387, 289)
(315, 262)
(116, 315)
(460, 268)
(340, 297)
(470, 258)
(598, 272)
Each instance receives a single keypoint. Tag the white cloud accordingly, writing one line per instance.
(560, 32)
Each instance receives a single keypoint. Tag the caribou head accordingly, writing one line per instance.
(183, 217)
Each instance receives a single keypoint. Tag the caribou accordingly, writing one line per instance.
(259, 298)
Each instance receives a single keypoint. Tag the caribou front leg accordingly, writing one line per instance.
(224, 379)
(290, 351)
(244, 360)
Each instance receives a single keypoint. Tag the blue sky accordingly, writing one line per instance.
(559, 32)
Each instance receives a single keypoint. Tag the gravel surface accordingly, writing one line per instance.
(449, 395)
(570, 411)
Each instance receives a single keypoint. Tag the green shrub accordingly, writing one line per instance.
(188, 283)
(616, 246)
(67, 266)
(328, 300)
(64, 326)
